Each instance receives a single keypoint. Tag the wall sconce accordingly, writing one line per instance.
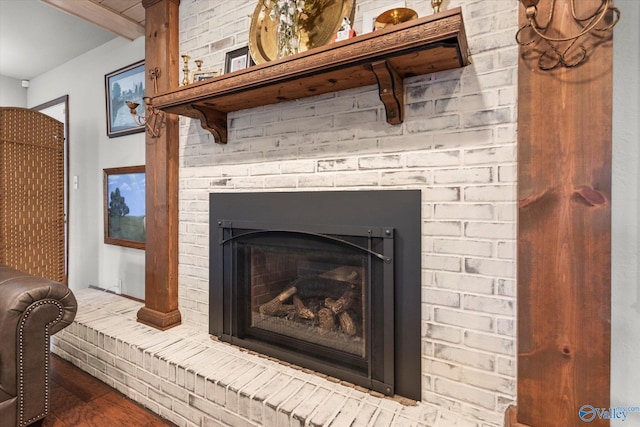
(152, 120)
(563, 50)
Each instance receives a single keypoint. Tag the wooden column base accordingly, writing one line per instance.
(511, 418)
(159, 320)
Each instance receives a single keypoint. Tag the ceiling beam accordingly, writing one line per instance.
(100, 16)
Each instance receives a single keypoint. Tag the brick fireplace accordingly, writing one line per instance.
(457, 146)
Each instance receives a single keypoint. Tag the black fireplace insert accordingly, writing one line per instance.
(329, 281)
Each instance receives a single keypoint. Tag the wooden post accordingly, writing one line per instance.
(564, 234)
(161, 268)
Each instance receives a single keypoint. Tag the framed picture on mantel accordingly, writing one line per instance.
(124, 206)
(237, 60)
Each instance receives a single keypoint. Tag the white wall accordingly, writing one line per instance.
(12, 94)
(625, 322)
(91, 262)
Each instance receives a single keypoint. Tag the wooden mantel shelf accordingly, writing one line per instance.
(384, 57)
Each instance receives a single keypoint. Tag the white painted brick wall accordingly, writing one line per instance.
(457, 145)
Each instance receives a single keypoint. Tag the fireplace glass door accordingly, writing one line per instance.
(316, 297)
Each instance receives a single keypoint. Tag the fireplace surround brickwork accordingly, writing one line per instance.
(457, 145)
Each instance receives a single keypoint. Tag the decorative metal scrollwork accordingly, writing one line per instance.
(563, 50)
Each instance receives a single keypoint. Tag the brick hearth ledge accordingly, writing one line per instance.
(192, 380)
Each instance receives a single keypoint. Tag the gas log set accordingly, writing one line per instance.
(325, 302)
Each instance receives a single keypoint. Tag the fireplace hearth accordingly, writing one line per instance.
(329, 281)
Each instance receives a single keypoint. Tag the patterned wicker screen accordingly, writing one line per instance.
(32, 193)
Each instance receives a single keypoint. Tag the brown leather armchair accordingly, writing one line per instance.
(31, 310)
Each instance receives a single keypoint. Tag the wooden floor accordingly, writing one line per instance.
(78, 399)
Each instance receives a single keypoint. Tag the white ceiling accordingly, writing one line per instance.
(36, 37)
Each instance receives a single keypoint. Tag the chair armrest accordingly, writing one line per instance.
(31, 310)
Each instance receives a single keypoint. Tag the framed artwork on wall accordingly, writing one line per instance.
(237, 60)
(125, 84)
(124, 206)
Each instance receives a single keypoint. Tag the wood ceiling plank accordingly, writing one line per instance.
(101, 16)
(131, 9)
(136, 13)
(119, 6)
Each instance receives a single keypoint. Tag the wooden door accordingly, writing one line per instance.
(32, 193)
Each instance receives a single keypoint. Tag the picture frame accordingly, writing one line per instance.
(124, 84)
(201, 75)
(238, 59)
(124, 206)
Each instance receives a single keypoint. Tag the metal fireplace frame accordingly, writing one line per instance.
(391, 218)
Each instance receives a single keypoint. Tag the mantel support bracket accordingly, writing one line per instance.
(213, 121)
(391, 90)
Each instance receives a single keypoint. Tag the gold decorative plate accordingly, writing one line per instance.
(320, 22)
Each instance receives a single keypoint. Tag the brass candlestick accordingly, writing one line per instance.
(185, 69)
(435, 4)
(199, 64)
